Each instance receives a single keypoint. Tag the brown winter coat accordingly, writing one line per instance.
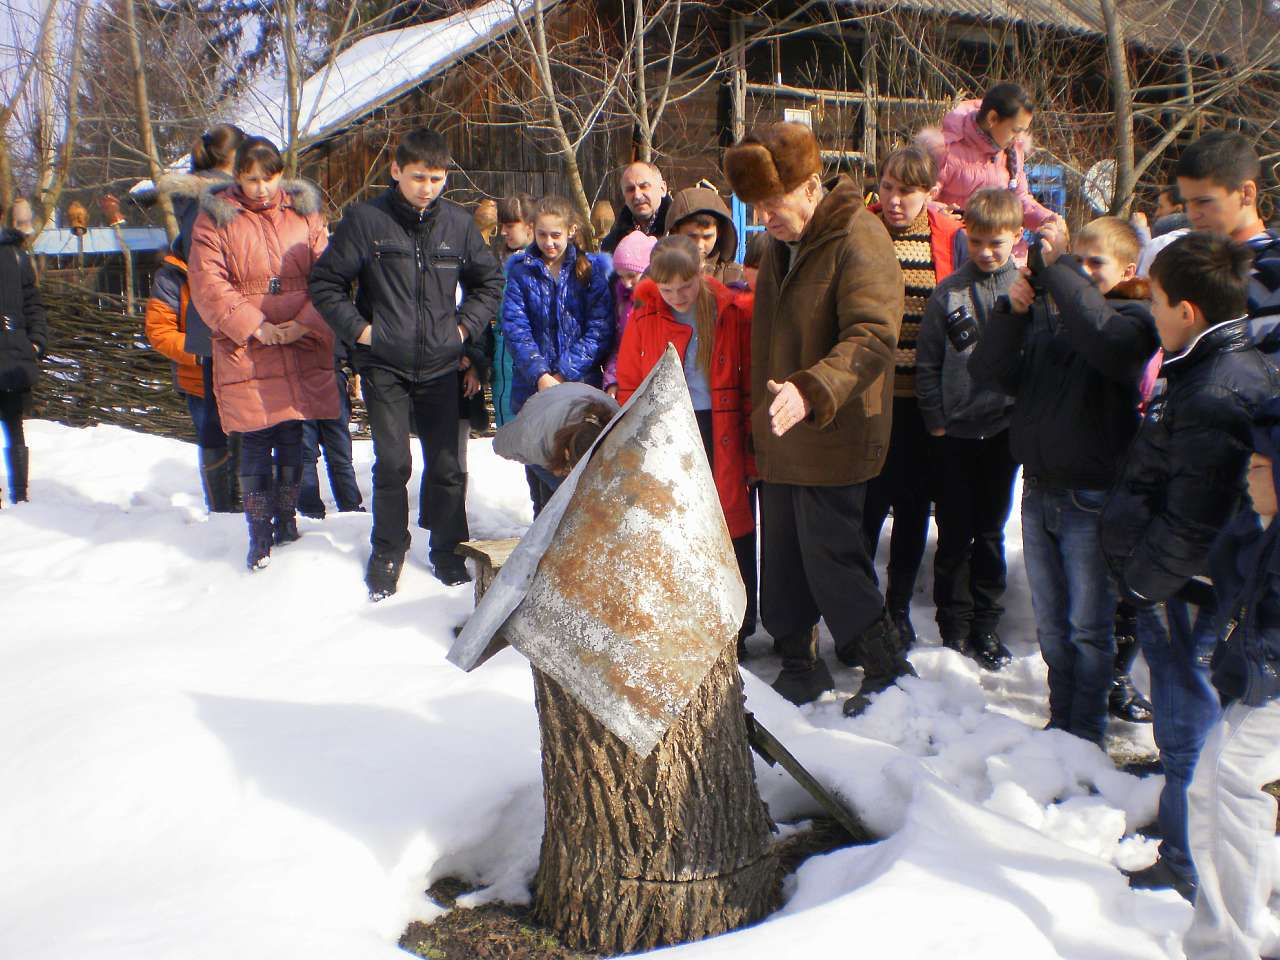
(692, 200)
(249, 265)
(830, 327)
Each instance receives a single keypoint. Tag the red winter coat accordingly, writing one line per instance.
(651, 327)
(249, 265)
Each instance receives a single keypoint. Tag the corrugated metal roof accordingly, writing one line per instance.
(61, 242)
(1237, 29)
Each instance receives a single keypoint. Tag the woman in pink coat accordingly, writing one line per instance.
(983, 144)
(251, 252)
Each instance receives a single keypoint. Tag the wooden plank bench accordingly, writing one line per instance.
(489, 556)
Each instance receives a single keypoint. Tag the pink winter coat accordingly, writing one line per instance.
(969, 161)
(249, 265)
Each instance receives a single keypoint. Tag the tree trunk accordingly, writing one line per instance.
(293, 88)
(1122, 102)
(542, 59)
(51, 197)
(644, 851)
(143, 104)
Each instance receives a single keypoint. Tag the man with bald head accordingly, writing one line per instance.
(646, 203)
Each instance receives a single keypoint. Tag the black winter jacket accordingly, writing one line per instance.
(1245, 566)
(409, 266)
(1073, 366)
(1184, 476)
(626, 222)
(23, 331)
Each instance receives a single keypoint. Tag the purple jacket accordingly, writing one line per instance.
(969, 161)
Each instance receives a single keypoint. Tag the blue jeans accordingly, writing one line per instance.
(1074, 601)
(334, 437)
(1177, 640)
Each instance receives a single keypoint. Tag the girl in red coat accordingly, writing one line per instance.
(252, 249)
(710, 327)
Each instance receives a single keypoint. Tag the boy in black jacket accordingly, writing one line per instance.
(1218, 178)
(1072, 359)
(410, 250)
(1182, 481)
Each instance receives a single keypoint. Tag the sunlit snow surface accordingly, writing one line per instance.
(196, 761)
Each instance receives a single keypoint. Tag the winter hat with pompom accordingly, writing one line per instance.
(632, 252)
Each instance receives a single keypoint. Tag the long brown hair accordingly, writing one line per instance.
(556, 206)
(573, 440)
(675, 259)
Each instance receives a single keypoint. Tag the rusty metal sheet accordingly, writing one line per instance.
(634, 590)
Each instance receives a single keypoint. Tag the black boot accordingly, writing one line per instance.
(987, 648)
(1124, 701)
(805, 676)
(19, 460)
(217, 478)
(901, 617)
(884, 661)
(234, 442)
(382, 574)
(288, 487)
(259, 511)
(450, 569)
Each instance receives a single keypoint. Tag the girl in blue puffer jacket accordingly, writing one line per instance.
(557, 314)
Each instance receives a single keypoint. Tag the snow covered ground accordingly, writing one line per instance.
(200, 762)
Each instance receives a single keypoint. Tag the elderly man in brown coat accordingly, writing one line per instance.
(827, 311)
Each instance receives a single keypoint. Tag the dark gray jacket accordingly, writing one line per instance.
(948, 397)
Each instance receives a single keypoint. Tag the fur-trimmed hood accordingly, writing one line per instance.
(222, 205)
(190, 185)
(1136, 289)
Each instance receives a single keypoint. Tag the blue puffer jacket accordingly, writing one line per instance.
(556, 326)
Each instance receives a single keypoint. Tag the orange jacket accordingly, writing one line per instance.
(166, 323)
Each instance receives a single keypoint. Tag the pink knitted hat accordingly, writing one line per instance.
(632, 252)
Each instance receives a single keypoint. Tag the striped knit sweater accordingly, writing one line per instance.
(914, 248)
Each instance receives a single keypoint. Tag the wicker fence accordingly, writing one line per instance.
(100, 368)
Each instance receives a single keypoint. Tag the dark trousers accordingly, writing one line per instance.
(334, 438)
(284, 439)
(974, 492)
(209, 431)
(744, 547)
(904, 486)
(394, 404)
(814, 561)
(12, 405)
(198, 408)
(539, 490)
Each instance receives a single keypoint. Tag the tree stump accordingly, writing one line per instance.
(644, 851)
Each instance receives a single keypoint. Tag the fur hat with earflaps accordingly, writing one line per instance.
(772, 160)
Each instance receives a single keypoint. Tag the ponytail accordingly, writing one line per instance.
(216, 147)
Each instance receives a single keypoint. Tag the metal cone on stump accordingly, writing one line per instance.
(625, 597)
